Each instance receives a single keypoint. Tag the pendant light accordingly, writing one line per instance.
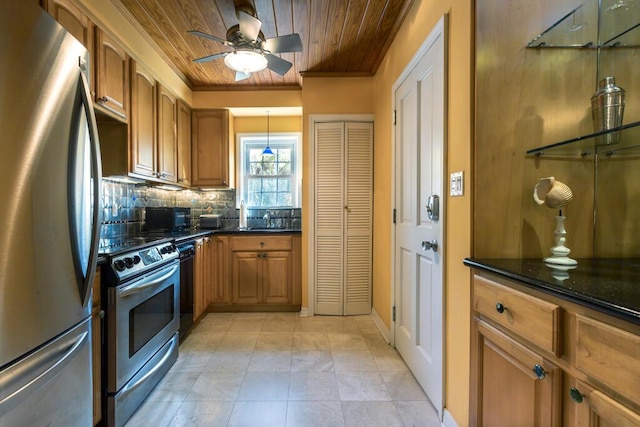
(267, 150)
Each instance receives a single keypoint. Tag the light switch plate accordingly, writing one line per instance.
(456, 184)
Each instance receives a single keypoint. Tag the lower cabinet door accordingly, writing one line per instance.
(246, 277)
(587, 407)
(512, 385)
(277, 272)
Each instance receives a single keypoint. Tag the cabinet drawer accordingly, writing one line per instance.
(536, 320)
(610, 355)
(261, 243)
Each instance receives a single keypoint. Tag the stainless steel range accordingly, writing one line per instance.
(143, 316)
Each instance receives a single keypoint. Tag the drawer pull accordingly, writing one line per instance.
(575, 394)
(539, 371)
(500, 308)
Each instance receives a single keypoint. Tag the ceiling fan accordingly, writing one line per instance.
(252, 52)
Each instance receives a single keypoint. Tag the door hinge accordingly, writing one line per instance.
(394, 117)
(393, 313)
(394, 215)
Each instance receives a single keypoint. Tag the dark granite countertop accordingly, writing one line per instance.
(257, 231)
(609, 285)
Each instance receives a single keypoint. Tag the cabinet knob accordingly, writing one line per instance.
(264, 255)
(539, 371)
(102, 100)
(575, 394)
(101, 314)
(500, 308)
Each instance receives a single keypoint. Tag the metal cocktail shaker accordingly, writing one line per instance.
(607, 108)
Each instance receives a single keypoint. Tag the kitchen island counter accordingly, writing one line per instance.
(609, 285)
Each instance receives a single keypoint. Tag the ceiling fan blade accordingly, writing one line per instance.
(249, 26)
(277, 64)
(241, 75)
(208, 36)
(288, 43)
(211, 57)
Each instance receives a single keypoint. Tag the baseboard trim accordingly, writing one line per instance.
(304, 312)
(448, 420)
(386, 333)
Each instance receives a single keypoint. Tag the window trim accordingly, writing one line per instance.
(294, 138)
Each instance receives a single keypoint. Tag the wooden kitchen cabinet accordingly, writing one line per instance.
(263, 274)
(184, 143)
(591, 361)
(220, 292)
(143, 151)
(210, 148)
(112, 75)
(167, 163)
(201, 277)
(262, 277)
(514, 386)
(587, 406)
(79, 25)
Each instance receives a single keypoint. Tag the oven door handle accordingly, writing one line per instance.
(132, 386)
(147, 282)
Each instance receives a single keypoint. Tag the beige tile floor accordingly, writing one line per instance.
(281, 370)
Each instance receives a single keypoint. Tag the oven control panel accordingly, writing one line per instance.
(138, 261)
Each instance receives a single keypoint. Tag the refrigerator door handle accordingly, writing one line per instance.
(85, 252)
(24, 377)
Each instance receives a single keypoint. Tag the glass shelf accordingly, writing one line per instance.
(619, 27)
(625, 141)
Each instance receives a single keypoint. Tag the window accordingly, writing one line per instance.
(269, 181)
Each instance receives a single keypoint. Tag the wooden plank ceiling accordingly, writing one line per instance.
(339, 37)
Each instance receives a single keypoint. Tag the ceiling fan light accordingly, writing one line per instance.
(246, 61)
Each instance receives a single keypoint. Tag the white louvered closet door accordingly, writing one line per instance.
(343, 244)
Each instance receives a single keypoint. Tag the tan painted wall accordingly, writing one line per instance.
(327, 95)
(276, 124)
(247, 98)
(415, 29)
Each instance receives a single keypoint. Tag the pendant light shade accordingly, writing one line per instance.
(267, 150)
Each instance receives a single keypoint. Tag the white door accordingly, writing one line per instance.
(419, 163)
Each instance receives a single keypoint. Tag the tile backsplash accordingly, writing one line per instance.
(123, 208)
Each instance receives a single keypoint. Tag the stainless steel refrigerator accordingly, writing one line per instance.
(49, 221)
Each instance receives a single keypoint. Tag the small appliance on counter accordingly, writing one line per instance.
(167, 219)
(210, 222)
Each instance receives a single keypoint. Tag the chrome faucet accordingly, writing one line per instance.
(267, 219)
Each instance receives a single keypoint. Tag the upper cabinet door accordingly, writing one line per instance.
(167, 137)
(78, 24)
(210, 148)
(112, 90)
(143, 122)
(184, 143)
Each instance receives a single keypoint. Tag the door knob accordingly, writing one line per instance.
(430, 245)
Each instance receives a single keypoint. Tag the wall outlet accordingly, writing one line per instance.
(456, 184)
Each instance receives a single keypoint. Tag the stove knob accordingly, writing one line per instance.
(128, 261)
(173, 248)
(136, 259)
(163, 250)
(119, 265)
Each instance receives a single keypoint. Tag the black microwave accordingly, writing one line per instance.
(167, 219)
